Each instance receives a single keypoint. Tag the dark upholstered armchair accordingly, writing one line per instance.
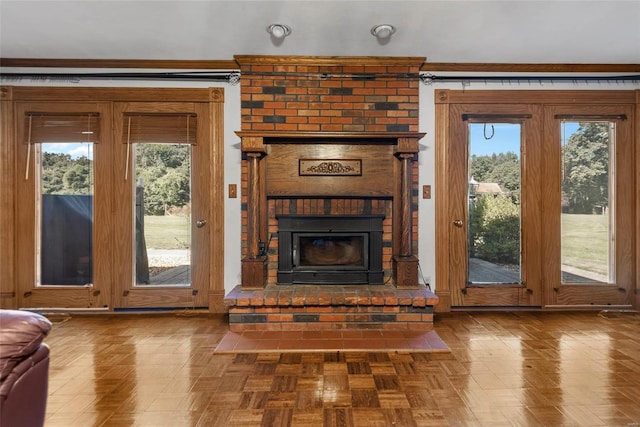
(24, 368)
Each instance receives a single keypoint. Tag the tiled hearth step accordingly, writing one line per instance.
(321, 307)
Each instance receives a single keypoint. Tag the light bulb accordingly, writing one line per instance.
(384, 33)
(277, 31)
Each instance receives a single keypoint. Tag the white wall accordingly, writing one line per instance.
(232, 175)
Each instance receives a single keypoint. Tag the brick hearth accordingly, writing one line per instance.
(316, 307)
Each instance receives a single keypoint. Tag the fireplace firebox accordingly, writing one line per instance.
(330, 249)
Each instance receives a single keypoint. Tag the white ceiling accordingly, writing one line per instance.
(517, 31)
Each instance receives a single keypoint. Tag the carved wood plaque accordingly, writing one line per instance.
(330, 167)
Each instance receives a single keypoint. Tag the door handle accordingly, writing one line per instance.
(458, 223)
(201, 223)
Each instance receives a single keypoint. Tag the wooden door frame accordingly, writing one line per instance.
(8, 290)
(212, 97)
(445, 99)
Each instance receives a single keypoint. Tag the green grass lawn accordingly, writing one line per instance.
(585, 242)
(167, 232)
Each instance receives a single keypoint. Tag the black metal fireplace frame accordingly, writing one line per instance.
(288, 225)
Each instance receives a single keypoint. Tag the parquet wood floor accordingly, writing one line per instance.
(515, 368)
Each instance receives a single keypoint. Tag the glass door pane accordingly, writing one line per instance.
(65, 214)
(162, 218)
(587, 233)
(494, 191)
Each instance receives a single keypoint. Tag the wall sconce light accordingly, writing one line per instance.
(383, 31)
(278, 31)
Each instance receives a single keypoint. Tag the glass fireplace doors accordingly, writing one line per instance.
(330, 249)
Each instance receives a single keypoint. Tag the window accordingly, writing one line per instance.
(64, 174)
(162, 168)
(587, 232)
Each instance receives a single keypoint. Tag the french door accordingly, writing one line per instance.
(64, 205)
(536, 200)
(161, 210)
(113, 206)
(493, 180)
(588, 205)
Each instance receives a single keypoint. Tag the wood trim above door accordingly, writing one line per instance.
(567, 97)
(112, 94)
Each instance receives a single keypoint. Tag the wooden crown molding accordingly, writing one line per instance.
(34, 93)
(119, 63)
(530, 68)
(600, 97)
(316, 60)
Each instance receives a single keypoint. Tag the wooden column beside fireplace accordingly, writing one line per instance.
(353, 168)
(254, 264)
(405, 262)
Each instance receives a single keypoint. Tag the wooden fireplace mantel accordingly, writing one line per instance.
(253, 141)
(329, 135)
(255, 147)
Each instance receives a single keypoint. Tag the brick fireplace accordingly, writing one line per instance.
(331, 143)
